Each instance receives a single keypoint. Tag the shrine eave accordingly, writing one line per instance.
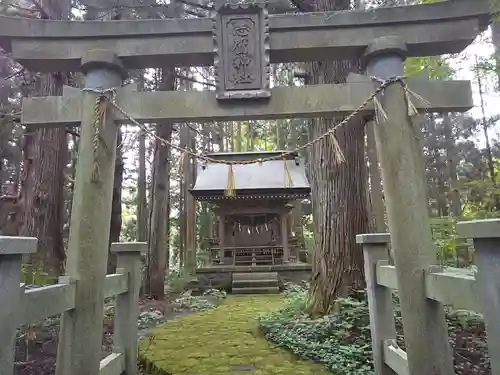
(429, 29)
(252, 155)
(270, 194)
(268, 177)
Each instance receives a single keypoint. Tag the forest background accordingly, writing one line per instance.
(151, 201)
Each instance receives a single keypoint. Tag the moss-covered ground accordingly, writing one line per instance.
(222, 341)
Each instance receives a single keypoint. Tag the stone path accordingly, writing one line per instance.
(222, 341)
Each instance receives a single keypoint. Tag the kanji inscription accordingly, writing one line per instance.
(241, 51)
(242, 54)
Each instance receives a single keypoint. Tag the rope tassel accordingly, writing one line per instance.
(337, 151)
(288, 177)
(380, 114)
(230, 188)
(181, 162)
(412, 110)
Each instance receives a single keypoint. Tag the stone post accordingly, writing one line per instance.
(375, 249)
(128, 256)
(12, 250)
(400, 156)
(80, 338)
(486, 236)
(376, 195)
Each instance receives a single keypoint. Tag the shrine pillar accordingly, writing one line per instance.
(222, 236)
(284, 236)
(401, 161)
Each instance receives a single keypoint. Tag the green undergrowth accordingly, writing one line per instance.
(340, 341)
(222, 341)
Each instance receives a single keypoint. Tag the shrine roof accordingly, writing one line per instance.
(258, 179)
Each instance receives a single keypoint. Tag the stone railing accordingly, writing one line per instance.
(19, 306)
(453, 287)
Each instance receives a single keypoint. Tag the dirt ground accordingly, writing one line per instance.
(468, 343)
(36, 349)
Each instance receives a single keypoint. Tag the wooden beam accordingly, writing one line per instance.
(428, 29)
(286, 102)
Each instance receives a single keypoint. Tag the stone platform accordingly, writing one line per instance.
(221, 277)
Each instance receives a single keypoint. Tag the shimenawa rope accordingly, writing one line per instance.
(380, 116)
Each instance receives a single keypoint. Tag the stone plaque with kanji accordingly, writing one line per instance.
(241, 49)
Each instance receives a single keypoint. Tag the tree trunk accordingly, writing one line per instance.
(296, 214)
(249, 136)
(495, 36)
(142, 200)
(339, 195)
(183, 143)
(158, 238)
(142, 204)
(239, 136)
(116, 205)
(221, 136)
(159, 216)
(42, 190)
(190, 204)
(451, 156)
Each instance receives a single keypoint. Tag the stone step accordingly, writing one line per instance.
(255, 276)
(255, 283)
(256, 290)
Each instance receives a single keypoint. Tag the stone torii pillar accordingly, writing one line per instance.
(400, 157)
(80, 338)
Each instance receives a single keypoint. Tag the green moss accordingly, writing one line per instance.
(222, 341)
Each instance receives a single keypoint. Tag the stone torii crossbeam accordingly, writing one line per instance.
(428, 29)
(241, 40)
(285, 102)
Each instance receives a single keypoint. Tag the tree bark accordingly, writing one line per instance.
(190, 204)
(158, 238)
(221, 136)
(454, 192)
(339, 195)
(495, 36)
(142, 205)
(116, 205)
(44, 161)
(296, 213)
(249, 136)
(183, 143)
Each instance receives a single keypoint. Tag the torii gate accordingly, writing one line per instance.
(241, 41)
